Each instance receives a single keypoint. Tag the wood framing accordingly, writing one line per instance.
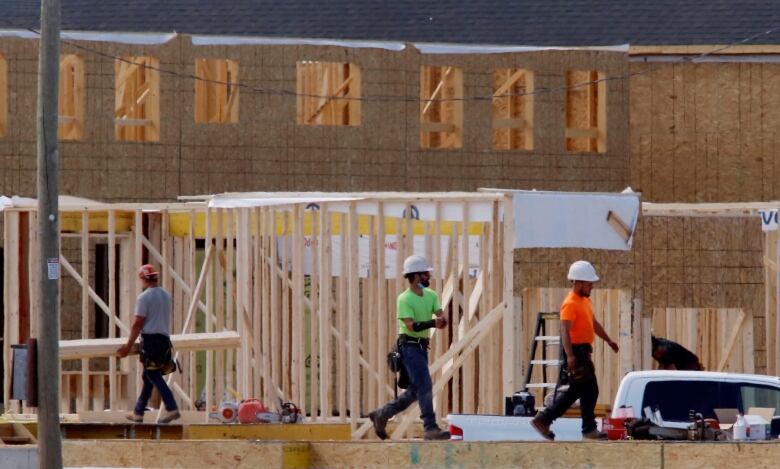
(72, 97)
(722, 338)
(137, 99)
(612, 308)
(513, 109)
(586, 111)
(291, 301)
(328, 93)
(216, 93)
(441, 107)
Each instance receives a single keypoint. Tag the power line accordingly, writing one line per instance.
(411, 99)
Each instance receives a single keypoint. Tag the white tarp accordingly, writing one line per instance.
(364, 250)
(16, 201)
(204, 40)
(572, 220)
(478, 211)
(248, 202)
(120, 38)
(438, 48)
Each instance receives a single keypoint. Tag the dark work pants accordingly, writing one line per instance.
(154, 379)
(414, 358)
(585, 388)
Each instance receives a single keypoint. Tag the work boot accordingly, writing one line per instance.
(594, 435)
(436, 433)
(170, 416)
(133, 417)
(543, 428)
(380, 423)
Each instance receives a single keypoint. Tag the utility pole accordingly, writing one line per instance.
(49, 440)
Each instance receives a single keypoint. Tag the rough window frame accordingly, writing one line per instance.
(137, 99)
(441, 107)
(321, 91)
(586, 111)
(216, 92)
(72, 98)
(513, 109)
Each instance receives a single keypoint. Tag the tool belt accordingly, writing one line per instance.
(404, 339)
(157, 353)
(584, 371)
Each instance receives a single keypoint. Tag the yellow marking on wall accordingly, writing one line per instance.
(70, 222)
(180, 225)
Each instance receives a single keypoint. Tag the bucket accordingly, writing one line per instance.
(614, 428)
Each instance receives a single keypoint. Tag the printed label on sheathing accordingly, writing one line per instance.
(53, 265)
(768, 219)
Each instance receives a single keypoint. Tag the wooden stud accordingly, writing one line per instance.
(352, 272)
(343, 371)
(298, 364)
(233, 301)
(83, 400)
(277, 336)
(209, 269)
(11, 294)
(325, 354)
(509, 339)
(219, 304)
(287, 350)
(383, 319)
(468, 368)
(314, 313)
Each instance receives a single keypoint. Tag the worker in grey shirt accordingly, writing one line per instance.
(153, 324)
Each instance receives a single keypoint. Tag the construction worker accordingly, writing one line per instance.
(416, 308)
(153, 323)
(578, 327)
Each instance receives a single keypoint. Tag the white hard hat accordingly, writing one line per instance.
(584, 271)
(414, 264)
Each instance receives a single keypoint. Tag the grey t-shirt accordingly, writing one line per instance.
(155, 305)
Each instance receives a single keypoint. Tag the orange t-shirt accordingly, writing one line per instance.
(578, 310)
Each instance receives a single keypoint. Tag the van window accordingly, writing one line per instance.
(676, 398)
(754, 395)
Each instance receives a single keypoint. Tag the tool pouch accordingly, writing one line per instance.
(157, 353)
(584, 372)
(394, 361)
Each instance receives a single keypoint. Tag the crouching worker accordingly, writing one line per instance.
(153, 323)
(416, 308)
(578, 328)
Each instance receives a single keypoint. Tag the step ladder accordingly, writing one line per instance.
(543, 341)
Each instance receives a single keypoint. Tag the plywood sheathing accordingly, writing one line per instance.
(705, 132)
(375, 455)
(267, 150)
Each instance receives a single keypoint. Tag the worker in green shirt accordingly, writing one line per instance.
(418, 310)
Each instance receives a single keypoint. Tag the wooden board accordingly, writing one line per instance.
(92, 348)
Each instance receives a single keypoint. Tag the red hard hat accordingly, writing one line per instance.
(146, 271)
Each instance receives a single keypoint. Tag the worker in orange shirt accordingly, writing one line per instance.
(578, 328)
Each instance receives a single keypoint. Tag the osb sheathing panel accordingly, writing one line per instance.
(677, 262)
(266, 150)
(240, 454)
(705, 132)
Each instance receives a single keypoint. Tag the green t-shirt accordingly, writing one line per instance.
(418, 308)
